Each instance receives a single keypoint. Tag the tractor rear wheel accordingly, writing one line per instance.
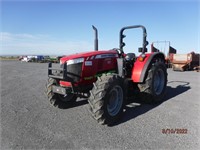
(106, 99)
(58, 100)
(154, 86)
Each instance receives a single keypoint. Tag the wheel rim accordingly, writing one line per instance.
(159, 81)
(115, 100)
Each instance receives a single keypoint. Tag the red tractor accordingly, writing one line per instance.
(108, 78)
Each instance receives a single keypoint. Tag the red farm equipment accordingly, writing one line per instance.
(167, 49)
(183, 62)
(107, 77)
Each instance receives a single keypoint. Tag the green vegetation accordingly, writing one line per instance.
(9, 57)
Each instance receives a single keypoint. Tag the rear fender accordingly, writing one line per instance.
(140, 69)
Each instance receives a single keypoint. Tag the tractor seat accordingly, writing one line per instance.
(130, 57)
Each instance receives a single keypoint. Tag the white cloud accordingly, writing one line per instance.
(8, 37)
(39, 44)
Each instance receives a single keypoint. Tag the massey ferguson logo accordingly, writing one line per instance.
(105, 56)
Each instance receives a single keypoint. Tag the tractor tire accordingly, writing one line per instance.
(58, 100)
(154, 87)
(106, 101)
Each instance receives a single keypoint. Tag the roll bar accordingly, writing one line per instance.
(121, 36)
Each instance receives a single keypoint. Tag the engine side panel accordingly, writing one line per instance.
(93, 66)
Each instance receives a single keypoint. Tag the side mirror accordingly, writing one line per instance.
(123, 44)
(146, 43)
(140, 49)
(123, 36)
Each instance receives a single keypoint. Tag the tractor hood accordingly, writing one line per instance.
(90, 55)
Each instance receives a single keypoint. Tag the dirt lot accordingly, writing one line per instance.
(29, 122)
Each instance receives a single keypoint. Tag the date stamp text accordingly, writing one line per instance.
(175, 131)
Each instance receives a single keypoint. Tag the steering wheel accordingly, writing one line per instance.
(118, 51)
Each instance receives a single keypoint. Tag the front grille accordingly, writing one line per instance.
(74, 71)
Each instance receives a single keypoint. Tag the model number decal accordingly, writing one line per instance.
(105, 56)
(88, 63)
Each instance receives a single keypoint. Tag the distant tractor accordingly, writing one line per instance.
(52, 59)
(107, 78)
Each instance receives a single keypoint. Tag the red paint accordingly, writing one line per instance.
(86, 54)
(98, 65)
(138, 68)
(64, 83)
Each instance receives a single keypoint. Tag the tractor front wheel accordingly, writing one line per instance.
(58, 100)
(106, 99)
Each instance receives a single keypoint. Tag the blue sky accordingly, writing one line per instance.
(64, 27)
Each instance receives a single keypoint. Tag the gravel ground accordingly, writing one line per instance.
(29, 122)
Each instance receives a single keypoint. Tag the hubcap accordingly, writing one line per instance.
(159, 81)
(115, 100)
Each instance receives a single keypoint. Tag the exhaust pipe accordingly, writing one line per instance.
(96, 38)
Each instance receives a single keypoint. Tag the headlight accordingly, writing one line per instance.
(75, 61)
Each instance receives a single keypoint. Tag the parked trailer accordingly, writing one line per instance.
(183, 62)
(32, 58)
(40, 58)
